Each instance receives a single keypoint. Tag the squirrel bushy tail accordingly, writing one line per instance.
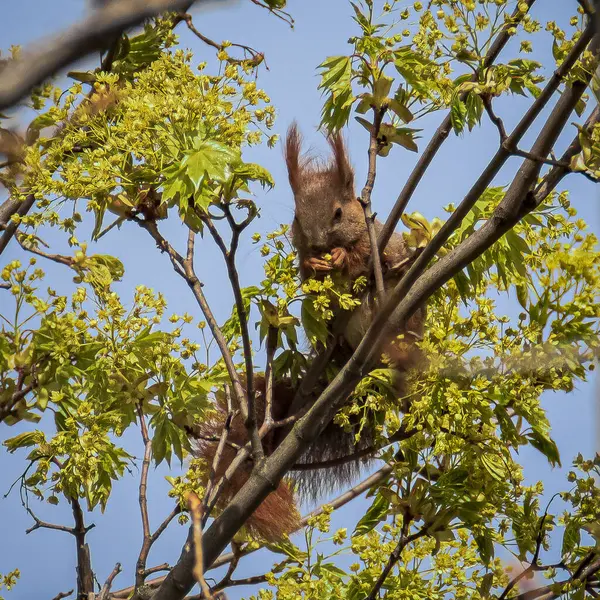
(277, 515)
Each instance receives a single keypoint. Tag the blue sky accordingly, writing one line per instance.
(46, 558)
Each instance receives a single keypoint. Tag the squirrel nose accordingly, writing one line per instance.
(318, 248)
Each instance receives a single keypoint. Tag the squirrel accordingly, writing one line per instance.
(330, 235)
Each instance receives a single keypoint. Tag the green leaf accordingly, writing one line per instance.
(458, 114)
(24, 440)
(494, 466)
(42, 121)
(542, 442)
(210, 160)
(571, 537)
(376, 513)
(474, 109)
(336, 82)
(401, 110)
(254, 172)
(314, 326)
(361, 19)
(381, 89)
(485, 545)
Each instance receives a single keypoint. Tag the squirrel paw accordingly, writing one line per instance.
(338, 257)
(317, 264)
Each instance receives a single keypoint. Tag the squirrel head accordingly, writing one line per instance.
(327, 211)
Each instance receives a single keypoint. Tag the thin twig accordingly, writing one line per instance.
(487, 103)
(252, 580)
(185, 269)
(394, 558)
(157, 569)
(57, 258)
(496, 120)
(365, 200)
(338, 502)
(195, 507)
(39, 524)
(271, 347)
(442, 133)
(247, 405)
(219, 452)
(62, 595)
(140, 567)
(256, 57)
(105, 591)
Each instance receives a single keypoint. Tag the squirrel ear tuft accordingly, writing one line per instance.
(341, 163)
(293, 143)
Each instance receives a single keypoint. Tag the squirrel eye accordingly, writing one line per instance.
(338, 215)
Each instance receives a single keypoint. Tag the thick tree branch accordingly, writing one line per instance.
(338, 502)
(441, 135)
(9, 208)
(34, 67)
(515, 205)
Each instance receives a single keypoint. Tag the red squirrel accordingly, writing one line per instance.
(330, 235)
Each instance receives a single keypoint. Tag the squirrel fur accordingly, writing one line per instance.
(329, 220)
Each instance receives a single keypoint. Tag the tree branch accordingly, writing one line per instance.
(105, 591)
(85, 575)
(247, 406)
(185, 269)
(394, 558)
(62, 595)
(365, 200)
(12, 207)
(403, 301)
(340, 501)
(195, 507)
(219, 452)
(271, 347)
(39, 524)
(140, 568)
(441, 135)
(256, 58)
(34, 67)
